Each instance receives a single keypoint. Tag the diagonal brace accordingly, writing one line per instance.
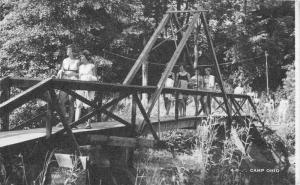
(63, 119)
(146, 117)
(95, 106)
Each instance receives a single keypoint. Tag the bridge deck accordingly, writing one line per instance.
(8, 138)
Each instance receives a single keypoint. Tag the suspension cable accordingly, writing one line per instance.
(208, 65)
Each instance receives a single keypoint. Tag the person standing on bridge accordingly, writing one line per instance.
(87, 72)
(239, 89)
(208, 84)
(197, 84)
(183, 79)
(168, 98)
(68, 70)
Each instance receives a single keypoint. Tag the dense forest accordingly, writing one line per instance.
(34, 34)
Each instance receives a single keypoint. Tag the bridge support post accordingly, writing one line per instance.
(4, 95)
(49, 116)
(133, 112)
(176, 106)
(99, 98)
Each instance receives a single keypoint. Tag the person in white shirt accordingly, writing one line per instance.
(183, 79)
(239, 89)
(68, 70)
(87, 72)
(168, 98)
(208, 84)
(197, 84)
(282, 109)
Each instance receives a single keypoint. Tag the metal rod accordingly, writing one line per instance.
(186, 11)
(267, 72)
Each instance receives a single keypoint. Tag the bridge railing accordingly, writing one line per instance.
(45, 90)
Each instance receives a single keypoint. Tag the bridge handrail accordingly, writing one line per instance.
(23, 97)
(35, 88)
(110, 87)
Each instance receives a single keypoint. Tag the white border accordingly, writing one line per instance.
(297, 78)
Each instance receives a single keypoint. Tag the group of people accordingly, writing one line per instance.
(184, 80)
(266, 103)
(76, 67)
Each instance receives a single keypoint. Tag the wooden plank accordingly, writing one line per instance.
(4, 95)
(145, 67)
(186, 47)
(133, 111)
(50, 118)
(99, 101)
(121, 141)
(171, 64)
(176, 106)
(25, 96)
(108, 87)
(171, 124)
(5, 82)
(9, 138)
(130, 76)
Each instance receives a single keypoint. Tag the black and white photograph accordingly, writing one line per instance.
(149, 92)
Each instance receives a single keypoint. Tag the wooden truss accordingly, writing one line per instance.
(171, 16)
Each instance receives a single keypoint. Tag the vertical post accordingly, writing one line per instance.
(49, 115)
(267, 72)
(196, 68)
(133, 112)
(176, 106)
(145, 74)
(99, 103)
(4, 95)
(145, 82)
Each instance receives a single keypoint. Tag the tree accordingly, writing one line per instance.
(34, 33)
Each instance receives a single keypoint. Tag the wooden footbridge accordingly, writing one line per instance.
(119, 130)
(45, 90)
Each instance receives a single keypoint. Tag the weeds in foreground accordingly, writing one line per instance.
(41, 179)
(201, 158)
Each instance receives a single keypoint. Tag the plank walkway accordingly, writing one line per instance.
(8, 138)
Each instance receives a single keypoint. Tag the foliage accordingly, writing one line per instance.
(34, 33)
(289, 89)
